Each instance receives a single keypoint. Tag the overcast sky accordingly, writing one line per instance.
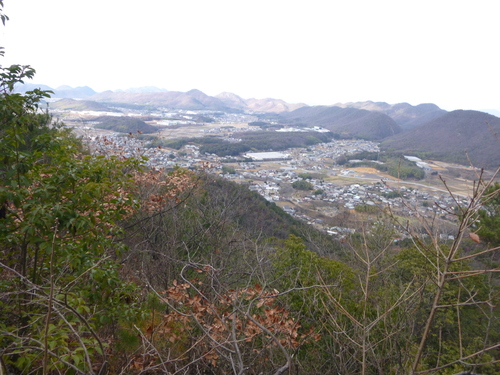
(315, 51)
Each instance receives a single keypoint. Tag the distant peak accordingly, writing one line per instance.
(196, 92)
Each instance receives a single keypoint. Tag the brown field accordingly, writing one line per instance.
(373, 171)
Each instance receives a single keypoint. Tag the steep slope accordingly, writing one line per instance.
(232, 100)
(253, 216)
(453, 137)
(408, 116)
(345, 121)
(206, 100)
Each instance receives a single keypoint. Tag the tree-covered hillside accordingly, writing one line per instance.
(462, 137)
(124, 124)
(405, 115)
(110, 267)
(248, 141)
(349, 122)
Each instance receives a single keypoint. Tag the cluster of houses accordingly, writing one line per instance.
(270, 183)
(131, 146)
(403, 200)
(382, 193)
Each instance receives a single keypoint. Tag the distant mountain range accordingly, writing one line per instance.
(190, 100)
(257, 105)
(406, 115)
(60, 92)
(425, 130)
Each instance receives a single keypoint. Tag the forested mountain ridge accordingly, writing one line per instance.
(406, 115)
(349, 122)
(259, 217)
(460, 136)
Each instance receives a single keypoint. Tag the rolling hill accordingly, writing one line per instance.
(80, 105)
(456, 136)
(267, 105)
(191, 100)
(406, 115)
(232, 100)
(73, 92)
(348, 122)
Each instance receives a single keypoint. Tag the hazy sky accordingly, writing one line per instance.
(315, 51)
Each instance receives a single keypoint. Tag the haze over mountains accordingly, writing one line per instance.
(425, 129)
(83, 92)
(406, 115)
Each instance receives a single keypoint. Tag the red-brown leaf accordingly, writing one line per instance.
(474, 237)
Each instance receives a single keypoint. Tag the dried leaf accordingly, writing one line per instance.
(474, 237)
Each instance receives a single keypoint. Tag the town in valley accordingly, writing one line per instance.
(336, 197)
